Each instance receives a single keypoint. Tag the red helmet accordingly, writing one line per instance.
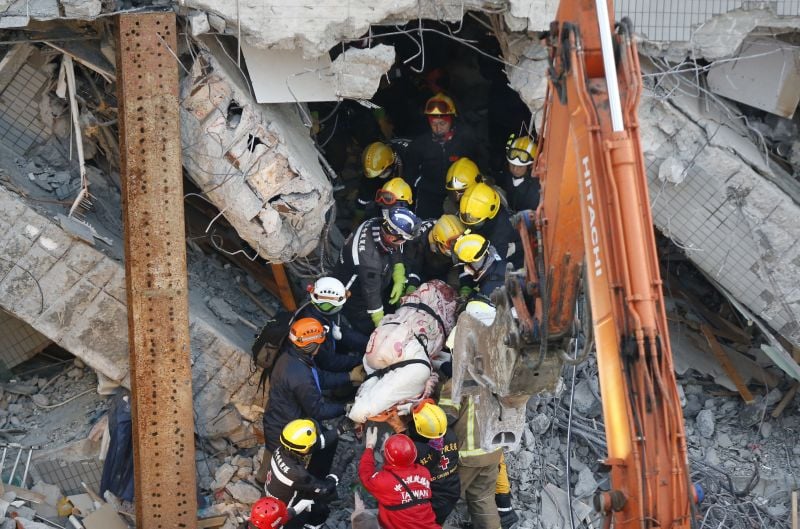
(399, 451)
(268, 513)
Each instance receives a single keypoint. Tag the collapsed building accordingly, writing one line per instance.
(271, 120)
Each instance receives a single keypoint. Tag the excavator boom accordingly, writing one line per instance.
(593, 183)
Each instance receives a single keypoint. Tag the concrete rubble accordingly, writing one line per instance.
(255, 162)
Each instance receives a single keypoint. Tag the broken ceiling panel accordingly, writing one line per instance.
(719, 202)
(766, 75)
(284, 76)
(255, 162)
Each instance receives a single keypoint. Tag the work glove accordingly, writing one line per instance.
(336, 332)
(371, 438)
(465, 291)
(358, 375)
(301, 506)
(344, 425)
(399, 285)
(376, 316)
(410, 289)
(405, 409)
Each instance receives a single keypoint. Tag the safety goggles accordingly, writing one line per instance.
(387, 198)
(437, 106)
(328, 307)
(301, 340)
(518, 156)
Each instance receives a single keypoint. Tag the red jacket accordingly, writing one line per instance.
(390, 493)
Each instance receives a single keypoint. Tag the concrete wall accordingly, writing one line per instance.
(75, 295)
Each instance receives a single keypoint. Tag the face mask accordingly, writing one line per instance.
(328, 308)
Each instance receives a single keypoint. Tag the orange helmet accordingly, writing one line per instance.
(307, 331)
(440, 105)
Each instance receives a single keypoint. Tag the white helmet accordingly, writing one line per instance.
(328, 294)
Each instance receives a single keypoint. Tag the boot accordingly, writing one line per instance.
(508, 517)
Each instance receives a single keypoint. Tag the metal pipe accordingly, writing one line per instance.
(609, 65)
(27, 466)
(14, 470)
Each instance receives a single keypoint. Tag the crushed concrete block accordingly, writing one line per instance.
(198, 23)
(359, 71)
(586, 483)
(224, 311)
(769, 81)
(81, 8)
(586, 403)
(270, 164)
(243, 492)
(721, 36)
(540, 424)
(705, 423)
(223, 475)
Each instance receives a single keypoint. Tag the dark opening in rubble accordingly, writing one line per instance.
(439, 62)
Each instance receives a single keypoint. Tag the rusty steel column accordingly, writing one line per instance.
(155, 270)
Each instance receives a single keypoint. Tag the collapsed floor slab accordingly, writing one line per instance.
(75, 295)
(255, 162)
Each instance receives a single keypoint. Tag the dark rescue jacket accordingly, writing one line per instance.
(427, 161)
(327, 358)
(364, 257)
(443, 466)
(503, 236)
(289, 480)
(294, 392)
(523, 194)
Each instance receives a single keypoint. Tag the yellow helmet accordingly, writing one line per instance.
(479, 203)
(444, 233)
(394, 190)
(429, 420)
(440, 105)
(299, 436)
(471, 248)
(521, 151)
(378, 160)
(462, 175)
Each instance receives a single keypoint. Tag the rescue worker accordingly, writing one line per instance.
(437, 450)
(295, 390)
(502, 497)
(484, 269)
(327, 296)
(517, 180)
(395, 193)
(289, 479)
(430, 155)
(481, 210)
(462, 175)
(380, 163)
(431, 253)
(477, 468)
(402, 487)
(371, 264)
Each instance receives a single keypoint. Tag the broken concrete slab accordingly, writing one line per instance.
(722, 35)
(255, 162)
(765, 75)
(74, 295)
(285, 76)
(358, 72)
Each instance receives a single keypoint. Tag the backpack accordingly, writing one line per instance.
(269, 342)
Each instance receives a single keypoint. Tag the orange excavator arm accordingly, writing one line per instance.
(593, 228)
(594, 183)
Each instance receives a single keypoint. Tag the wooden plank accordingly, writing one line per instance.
(284, 290)
(726, 364)
(787, 398)
(214, 521)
